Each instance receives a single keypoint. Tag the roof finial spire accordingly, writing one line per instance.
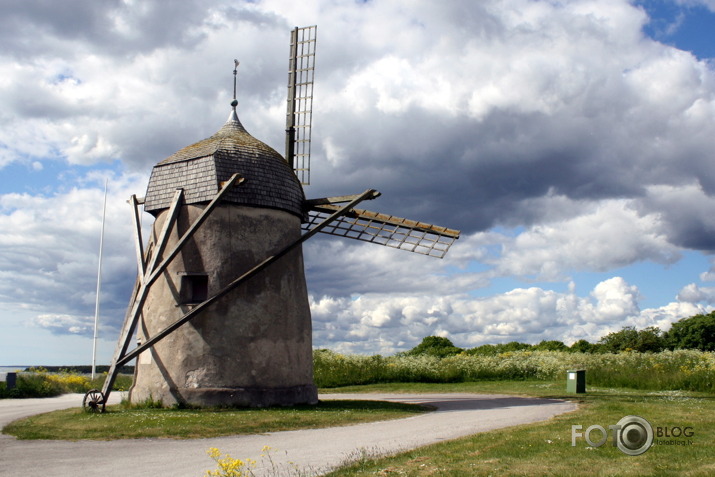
(234, 103)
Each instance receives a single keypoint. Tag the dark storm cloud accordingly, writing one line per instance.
(687, 215)
(474, 175)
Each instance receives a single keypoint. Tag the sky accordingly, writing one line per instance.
(571, 142)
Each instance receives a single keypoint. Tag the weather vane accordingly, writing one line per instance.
(234, 103)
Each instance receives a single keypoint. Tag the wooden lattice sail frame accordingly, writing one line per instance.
(299, 114)
(384, 229)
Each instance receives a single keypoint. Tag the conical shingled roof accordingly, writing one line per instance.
(199, 168)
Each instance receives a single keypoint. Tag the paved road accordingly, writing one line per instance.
(312, 450)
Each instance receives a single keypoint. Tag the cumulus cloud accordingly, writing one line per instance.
(709, 4)
(49, 248)
(556, 135)
(361, 324)
(609, 235)
(66, 324)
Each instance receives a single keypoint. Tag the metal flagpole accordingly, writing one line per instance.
(99, 282)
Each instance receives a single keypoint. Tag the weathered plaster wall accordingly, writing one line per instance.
(253, 346)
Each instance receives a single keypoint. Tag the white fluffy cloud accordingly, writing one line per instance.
(384, 323)
(710, 4)
(49, 253)
(556, 135)
(608, 236)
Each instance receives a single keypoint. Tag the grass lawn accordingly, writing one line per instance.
(123, 423)
(545, 448)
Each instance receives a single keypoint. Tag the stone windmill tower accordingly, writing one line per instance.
(220, 307)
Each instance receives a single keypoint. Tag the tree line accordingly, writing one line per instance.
(696, 332)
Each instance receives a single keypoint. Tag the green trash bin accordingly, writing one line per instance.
(576, 381)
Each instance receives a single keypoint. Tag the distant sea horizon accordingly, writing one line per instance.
(11, 369)
(20, 367)
(101, 368)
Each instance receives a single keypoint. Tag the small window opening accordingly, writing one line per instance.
(194, 289)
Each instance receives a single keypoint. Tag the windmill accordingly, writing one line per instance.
(220, 305)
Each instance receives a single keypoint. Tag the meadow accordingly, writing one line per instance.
(685, 370)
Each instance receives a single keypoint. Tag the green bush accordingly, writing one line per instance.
(434, 346)
(484, 350)
(650, 339)
(583, 346)
(551, 345)
(32, 385)
(696, 332)
(37, 382)
(493, 350)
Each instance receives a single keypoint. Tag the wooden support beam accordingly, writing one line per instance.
(138, 242)
(164, 234)
(130, 320)
(132, 317)
(335, 200)
(392, 220)
(235, 179)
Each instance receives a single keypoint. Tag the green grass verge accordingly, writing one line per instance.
(535, 388)
(545, 448)
(127, 423)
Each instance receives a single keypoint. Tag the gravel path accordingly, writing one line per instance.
(311, 451)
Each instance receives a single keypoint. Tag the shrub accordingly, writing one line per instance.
(38, 382)
(434, 346)
(696, 332)
(513, 346)
(35, 384)
(551, 345)
(493, 350)
(629, 339)
(583, 346)
(484, 350)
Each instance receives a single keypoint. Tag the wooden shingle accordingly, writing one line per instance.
(201, 167)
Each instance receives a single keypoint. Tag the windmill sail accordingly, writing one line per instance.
(384, 229)
(299, 115)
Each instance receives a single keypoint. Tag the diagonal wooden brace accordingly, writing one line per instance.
(164, 234)
(138, 242)
(151, 274)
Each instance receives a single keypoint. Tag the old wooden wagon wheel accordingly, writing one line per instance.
(93, 401)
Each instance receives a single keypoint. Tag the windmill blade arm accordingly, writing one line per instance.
(390, 219)
(384, 229)
(299, 113)
(311, 203)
